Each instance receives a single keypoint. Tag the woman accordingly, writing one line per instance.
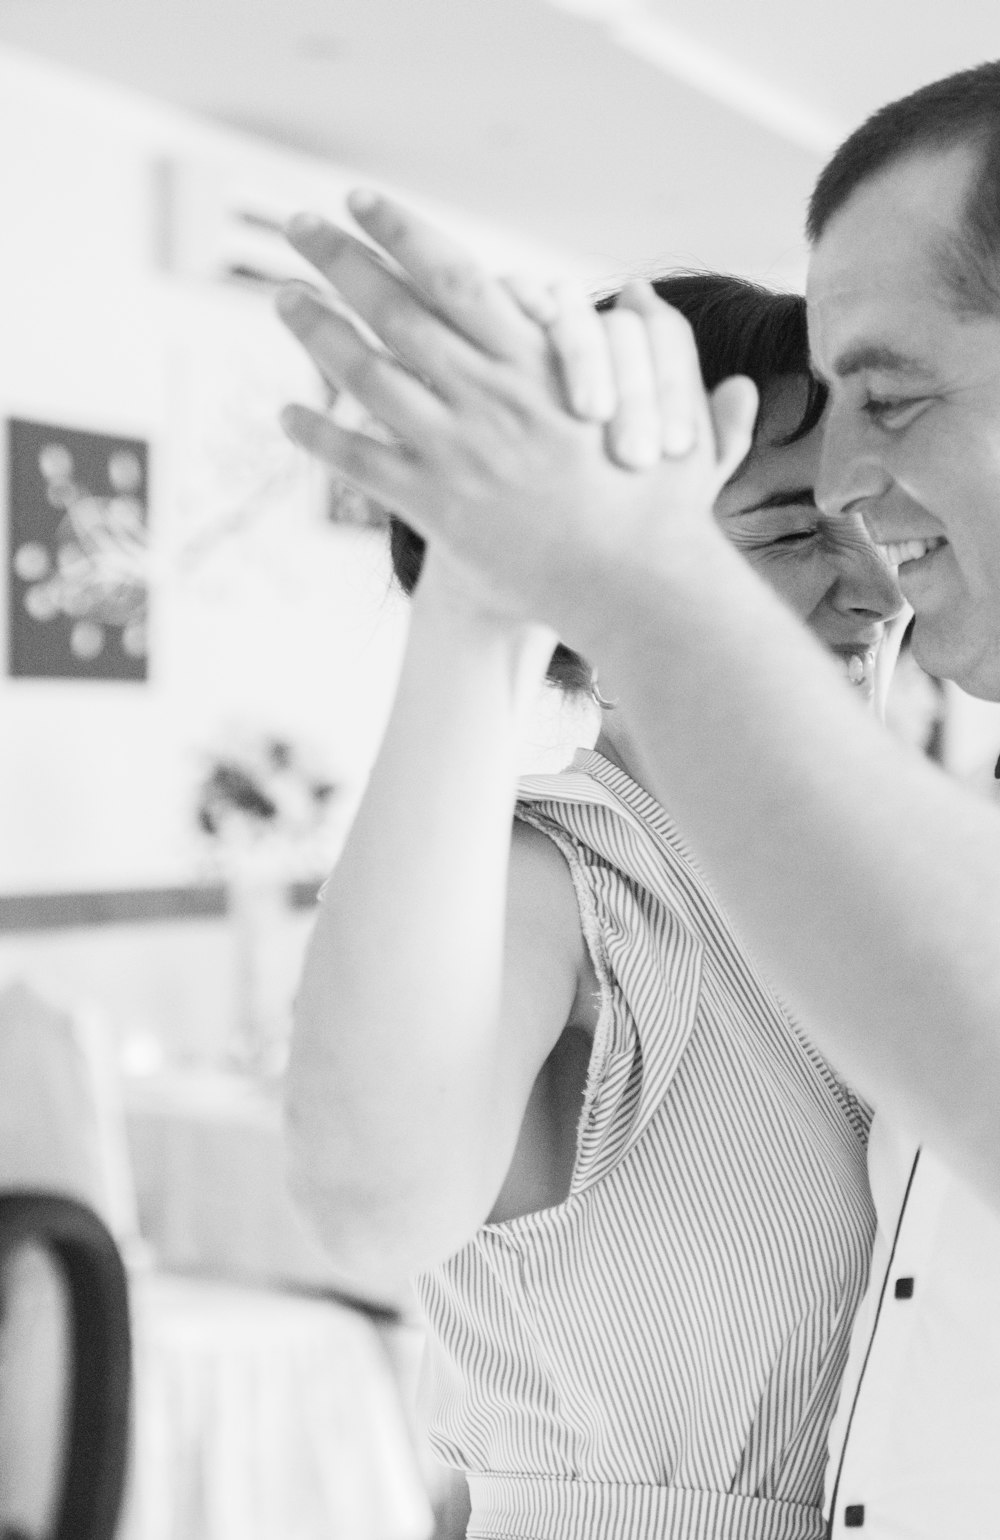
(543, 1073)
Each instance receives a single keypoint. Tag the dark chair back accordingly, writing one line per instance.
(90, 1427)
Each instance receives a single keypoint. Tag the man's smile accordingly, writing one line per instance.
(899, 553)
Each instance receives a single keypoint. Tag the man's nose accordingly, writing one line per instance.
(865, 582)
(851, 472)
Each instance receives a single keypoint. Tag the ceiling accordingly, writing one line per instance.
(635, 134)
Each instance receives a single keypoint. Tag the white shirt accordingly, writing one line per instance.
(915, 1443)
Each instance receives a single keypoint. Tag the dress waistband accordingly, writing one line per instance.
(545, 1508)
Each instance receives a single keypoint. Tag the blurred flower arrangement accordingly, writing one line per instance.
(263, 807)
(262, 802)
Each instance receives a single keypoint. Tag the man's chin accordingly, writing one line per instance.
(944, 652)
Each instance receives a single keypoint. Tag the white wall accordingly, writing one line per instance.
(288, 627)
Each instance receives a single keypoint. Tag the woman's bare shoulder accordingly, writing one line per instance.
(543, 921)
(540, 883)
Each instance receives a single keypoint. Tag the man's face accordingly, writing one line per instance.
(912, 438)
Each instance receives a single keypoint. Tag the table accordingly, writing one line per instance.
(265, 1417)
(266, 1408)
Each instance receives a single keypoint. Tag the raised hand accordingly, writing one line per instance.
(616, 367)
(485, 457)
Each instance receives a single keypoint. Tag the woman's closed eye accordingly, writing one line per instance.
(752, 535)
(786, 518)
(794, 536)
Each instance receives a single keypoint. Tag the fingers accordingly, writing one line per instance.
(399, 317)
(396, 398)
(733, 407)
(451, 281)
(583, 355)
(634, 437)
(579, 346)
(534, 296)
(684, 413)
(384, 471)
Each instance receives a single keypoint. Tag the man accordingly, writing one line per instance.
(868, 885)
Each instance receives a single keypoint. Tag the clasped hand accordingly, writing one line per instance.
(545, 447)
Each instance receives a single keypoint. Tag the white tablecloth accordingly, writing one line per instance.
(262, 1417)
(261, 1413)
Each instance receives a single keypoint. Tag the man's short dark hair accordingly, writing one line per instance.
(962, 109)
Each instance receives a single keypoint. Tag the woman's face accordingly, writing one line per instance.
(826, 569)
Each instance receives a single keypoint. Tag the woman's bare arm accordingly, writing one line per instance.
(443, 966)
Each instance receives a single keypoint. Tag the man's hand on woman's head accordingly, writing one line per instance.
(485, 455)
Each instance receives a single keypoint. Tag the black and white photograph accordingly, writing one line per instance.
(500, 770)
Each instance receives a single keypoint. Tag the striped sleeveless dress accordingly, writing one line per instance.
(659, 1355)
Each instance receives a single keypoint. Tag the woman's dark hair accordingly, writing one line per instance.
(740, 328)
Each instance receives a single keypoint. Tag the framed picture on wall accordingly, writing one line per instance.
(78, 578)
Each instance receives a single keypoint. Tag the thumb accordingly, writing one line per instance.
(733, 407)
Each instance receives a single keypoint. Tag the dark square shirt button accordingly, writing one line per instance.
(854, 1516)
(904, 1288)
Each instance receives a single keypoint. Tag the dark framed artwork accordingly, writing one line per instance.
(78, 578)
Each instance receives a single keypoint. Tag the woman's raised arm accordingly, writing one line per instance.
(431, 994)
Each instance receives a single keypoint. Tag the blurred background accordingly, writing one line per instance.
(199, 637)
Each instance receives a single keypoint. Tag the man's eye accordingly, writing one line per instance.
(892, 411)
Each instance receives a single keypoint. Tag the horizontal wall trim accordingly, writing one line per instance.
(126, 906)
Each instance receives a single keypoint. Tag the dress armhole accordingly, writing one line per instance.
(594, 941)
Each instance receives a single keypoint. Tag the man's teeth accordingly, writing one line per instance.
(899, 551)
